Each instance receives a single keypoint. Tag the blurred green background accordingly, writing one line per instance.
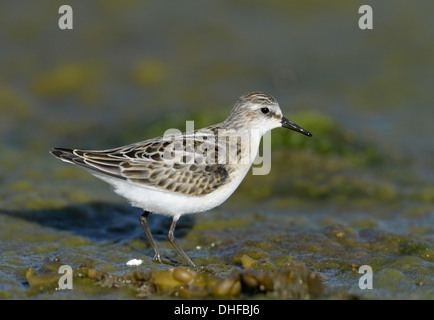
(129, 70)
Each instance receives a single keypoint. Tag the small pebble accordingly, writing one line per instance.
(134, 262)
(183, 274)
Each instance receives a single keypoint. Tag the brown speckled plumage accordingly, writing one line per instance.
(186, 163)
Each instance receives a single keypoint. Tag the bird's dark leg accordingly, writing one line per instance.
(172, 240)
(144, 223)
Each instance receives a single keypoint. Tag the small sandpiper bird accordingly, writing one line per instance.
(192, 172)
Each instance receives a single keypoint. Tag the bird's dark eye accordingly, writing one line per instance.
(265, 110)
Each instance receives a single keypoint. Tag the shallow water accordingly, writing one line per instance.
(359, 192)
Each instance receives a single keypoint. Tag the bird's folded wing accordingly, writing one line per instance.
(184, 164)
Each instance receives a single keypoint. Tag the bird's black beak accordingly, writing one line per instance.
(291, 125)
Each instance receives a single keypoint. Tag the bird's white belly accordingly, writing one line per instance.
(171, 203)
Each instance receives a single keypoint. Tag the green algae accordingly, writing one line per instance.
(364, 223)
(76, 241)
(218, 225)
(12, 105)
(334, 248)
(148, 73)
(180, 282)
(69, 78)
(418, 249)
